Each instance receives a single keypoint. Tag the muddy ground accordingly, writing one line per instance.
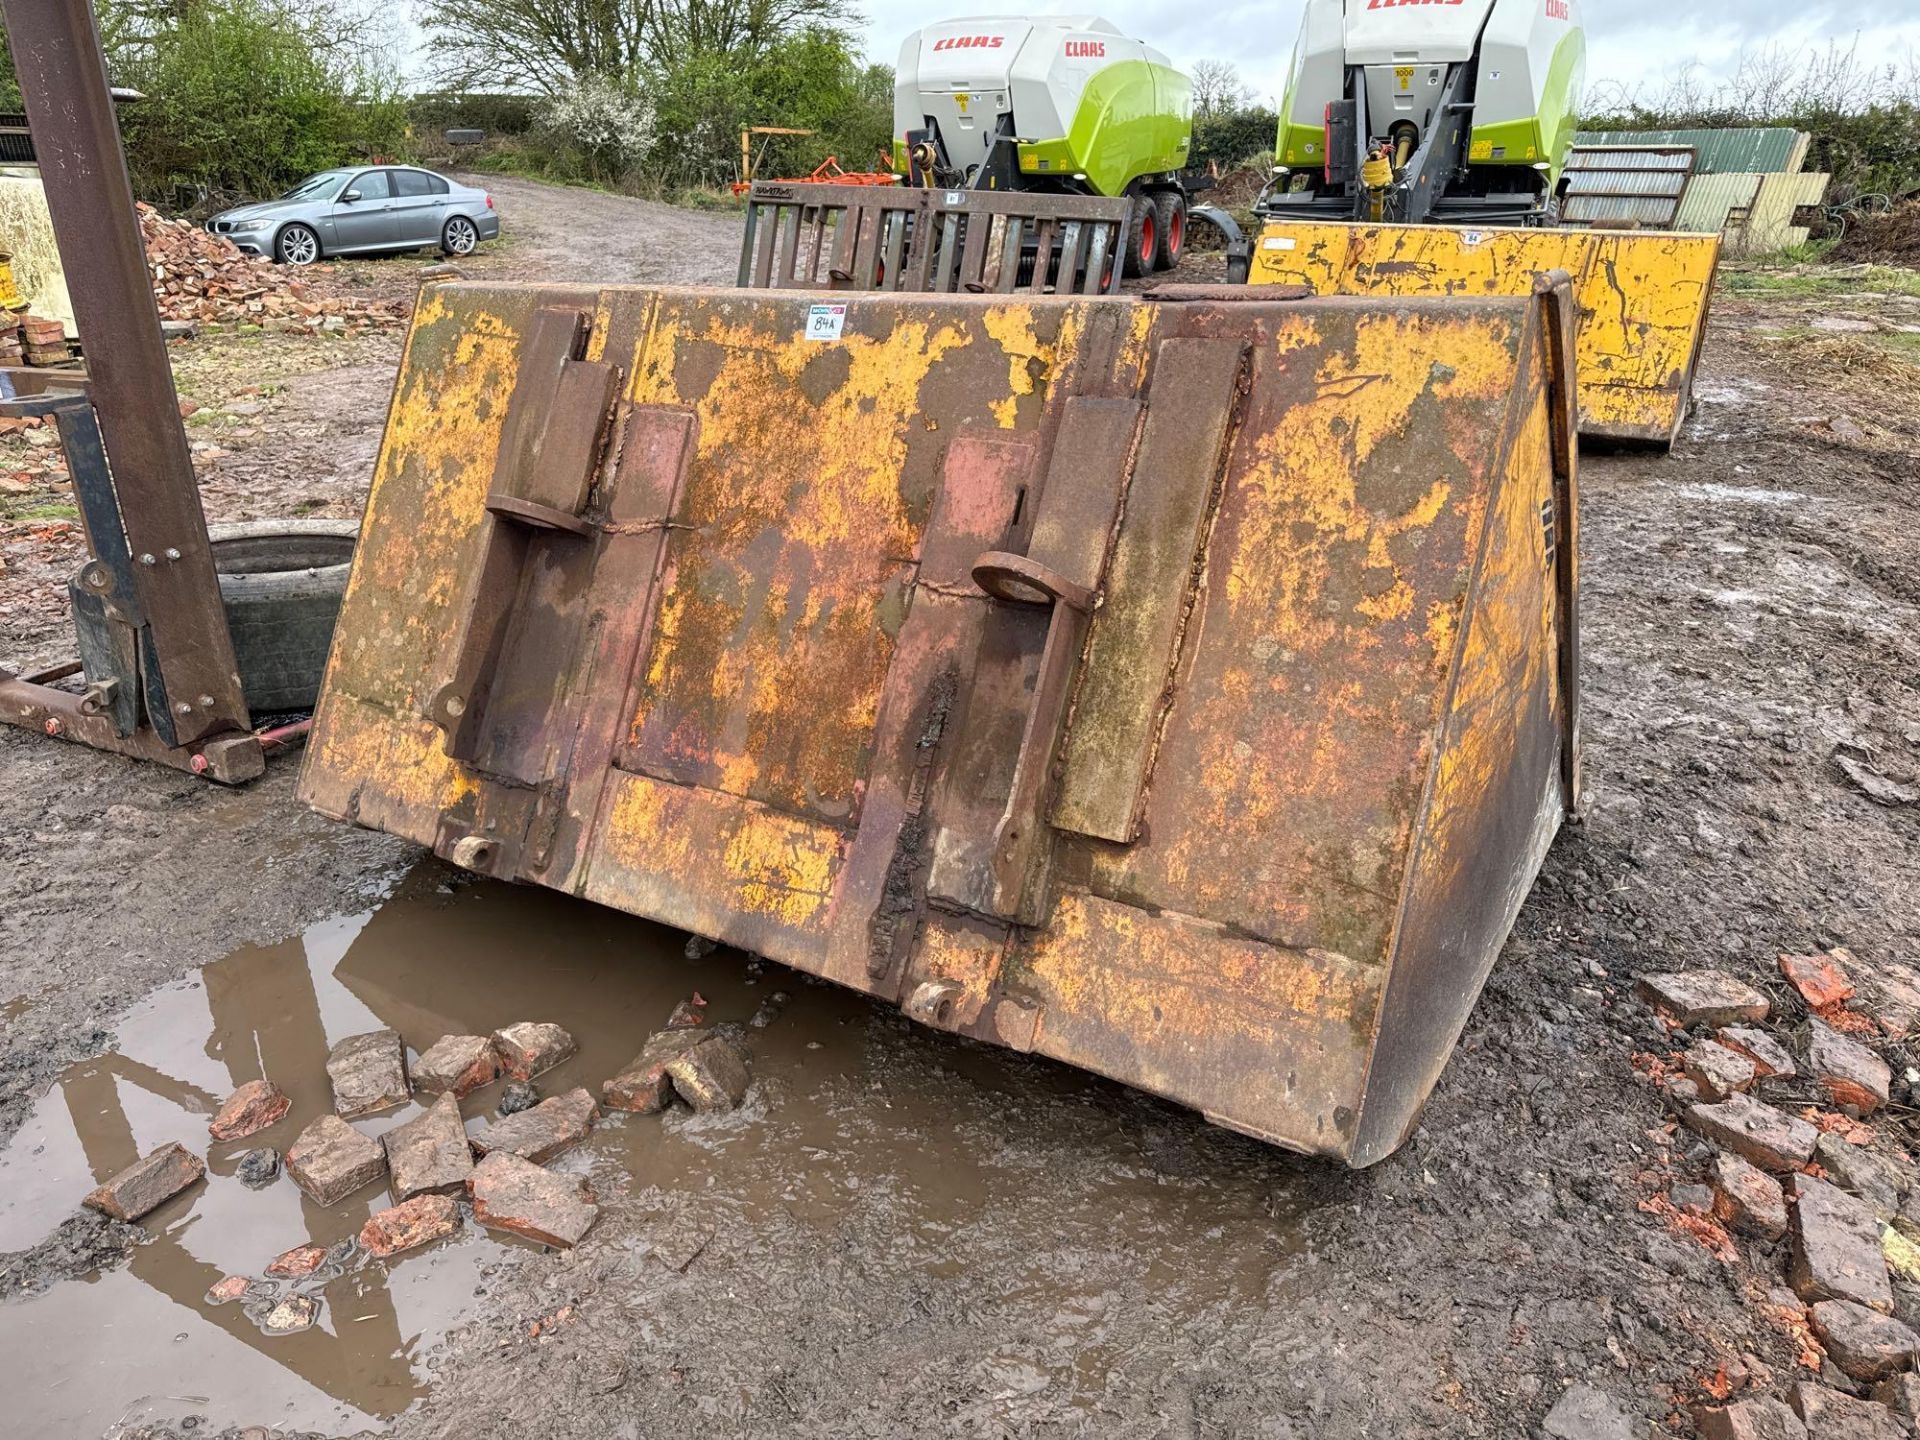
(908, 1235)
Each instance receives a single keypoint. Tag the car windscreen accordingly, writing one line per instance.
(314, 186)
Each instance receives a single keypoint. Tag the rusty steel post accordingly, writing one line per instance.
(63, 82)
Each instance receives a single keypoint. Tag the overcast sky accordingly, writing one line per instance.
(1628, 40)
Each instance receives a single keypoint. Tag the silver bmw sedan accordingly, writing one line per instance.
(361, 211)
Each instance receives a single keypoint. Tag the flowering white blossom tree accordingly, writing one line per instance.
(609, 126)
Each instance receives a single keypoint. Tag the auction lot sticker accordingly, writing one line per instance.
(825, 322)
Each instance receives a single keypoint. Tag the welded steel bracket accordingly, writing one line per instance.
(495, 705)
(1092, 454)
(525, 605)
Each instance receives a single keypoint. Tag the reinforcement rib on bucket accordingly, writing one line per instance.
(1182, 688)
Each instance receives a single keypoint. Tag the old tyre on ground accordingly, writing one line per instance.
(458, 236)
(296, 244)
(1142, 238)
(1170, 209)
(281, 582)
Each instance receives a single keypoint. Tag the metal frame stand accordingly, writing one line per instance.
(161, 682)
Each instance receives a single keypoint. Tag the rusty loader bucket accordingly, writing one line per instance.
(1182, 688)
(1642, 298)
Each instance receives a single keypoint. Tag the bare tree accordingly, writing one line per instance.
(727, 27)
(547, 45)
(1770, 85)
(353, 35)
(1217, 89)
(534, 45)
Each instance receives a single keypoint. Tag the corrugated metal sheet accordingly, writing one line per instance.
(1770, 221)
(1776, 151)
(1626, 185)
(1711, 199)
(16, 141)
(1746, 183)
(1755, 211)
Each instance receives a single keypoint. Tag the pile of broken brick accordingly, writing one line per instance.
(202, 277)
(1809, 1177)
(437, 1175)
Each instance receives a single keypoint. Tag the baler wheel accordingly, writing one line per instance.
(1170, 208)
(1143, 238)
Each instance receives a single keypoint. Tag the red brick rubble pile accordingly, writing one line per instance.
(201, 277)
(437, 1176)
(1803, 1156)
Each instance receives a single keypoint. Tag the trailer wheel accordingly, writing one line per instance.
(1170, 207)
(1143, 238)
(281, 582)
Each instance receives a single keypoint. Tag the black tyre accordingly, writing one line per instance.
(458, 236)
(296, 244)
(1170, 207)
(281, 582)
(1143, 238)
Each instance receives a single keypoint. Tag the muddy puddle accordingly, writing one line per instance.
(849, 1100)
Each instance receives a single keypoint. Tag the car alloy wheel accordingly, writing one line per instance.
(460, 237)
(298, 245)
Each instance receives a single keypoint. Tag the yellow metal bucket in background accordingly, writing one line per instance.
(1642, 296)
(1181, 688)
(10, 296)
(26, 233)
